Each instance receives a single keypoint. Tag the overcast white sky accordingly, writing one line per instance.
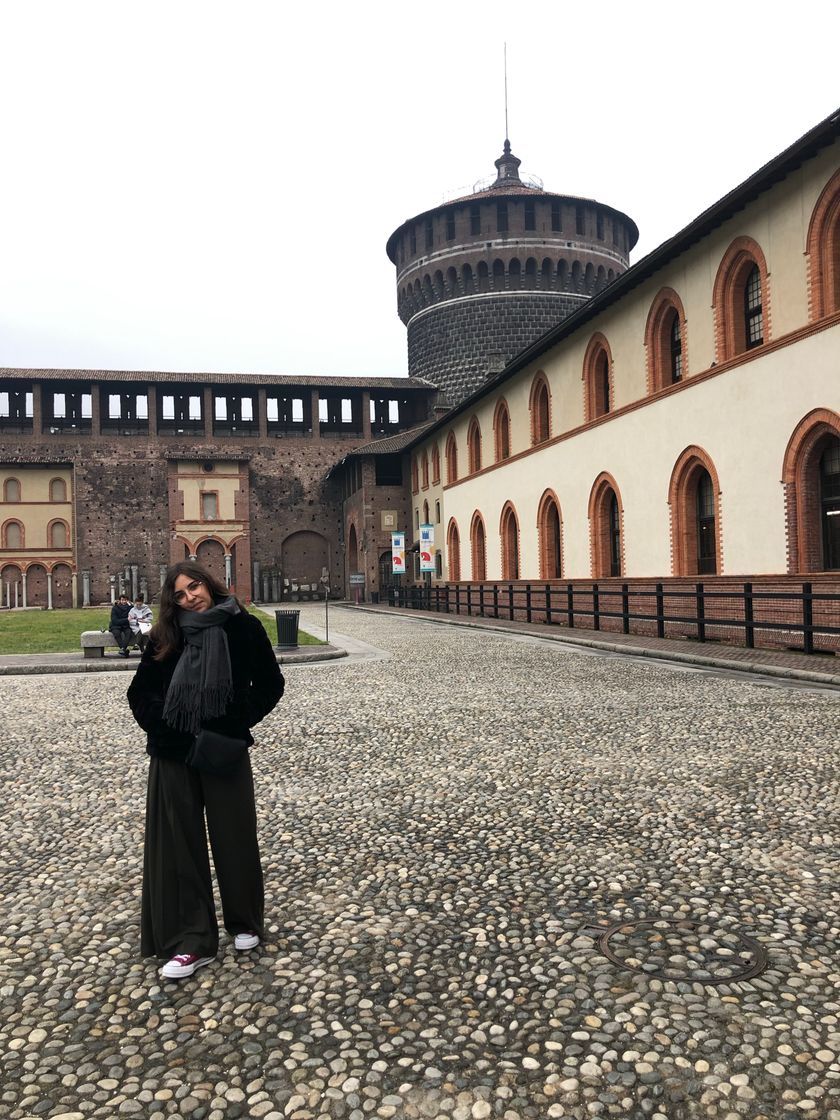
(208, 186)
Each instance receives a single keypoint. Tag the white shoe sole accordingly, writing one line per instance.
(172, 971)
(244, 941)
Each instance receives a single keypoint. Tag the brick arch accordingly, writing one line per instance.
(682, 498)
(478, 547)
(501, 430)
(453, 551)
(597, 402)
(4, 533)
(352, 547)
(36, 584)
(8, 489)
(539, 405)
(451, 459)
(510, 542)
(658, 339)
(51, 525)
(800, 479)
(474, 445)
(822, 248)
(514, 271)
(550, 539)
(599, 526)
(424, 469)
(728, 295)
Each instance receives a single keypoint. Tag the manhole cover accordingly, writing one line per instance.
(682, 949)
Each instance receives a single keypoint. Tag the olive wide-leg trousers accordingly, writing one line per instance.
(178, 910)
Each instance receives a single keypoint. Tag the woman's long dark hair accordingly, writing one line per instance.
(166, 633)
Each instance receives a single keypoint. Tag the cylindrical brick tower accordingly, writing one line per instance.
(482, 277)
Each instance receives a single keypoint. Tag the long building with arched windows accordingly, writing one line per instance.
(683, 423)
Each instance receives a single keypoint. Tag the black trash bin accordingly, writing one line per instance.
(287, 628)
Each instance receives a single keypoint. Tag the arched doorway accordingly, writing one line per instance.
(62, 586)
(352, 551)
(386, 573)
(211, 555)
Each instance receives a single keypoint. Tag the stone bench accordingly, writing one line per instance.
(95, 642)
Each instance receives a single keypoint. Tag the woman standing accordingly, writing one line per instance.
(209, 665)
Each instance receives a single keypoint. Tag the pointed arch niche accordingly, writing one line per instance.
(804, 476)
(453, 551)
(694, 501)
(550, 535)
(509, 539)
(606, 528)
(478, 548)
(741, 300)
(666, 345)
(501, 430)
(598, 394)
(823, 252)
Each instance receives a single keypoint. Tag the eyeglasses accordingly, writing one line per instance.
(190, 589)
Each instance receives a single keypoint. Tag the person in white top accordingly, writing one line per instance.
(140, 621)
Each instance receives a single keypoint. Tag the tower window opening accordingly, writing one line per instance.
(475, 219)
(599, 225)
(412, 240)
(580, 219)
(501, 217)
(556, 225)
(450, 227)
(530, 216)
(430, 233)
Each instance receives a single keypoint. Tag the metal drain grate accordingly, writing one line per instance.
(680, 949)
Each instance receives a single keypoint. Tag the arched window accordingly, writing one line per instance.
(824, 252)
(540, 410)
(451, 459)
(58, 535)
(11, 490)
(830, 504)
(740, 299)
(498, 276)
(478, 548)
(811, 477)
(509, 533)
(515, 274)
(13, 536)
(501, 431)
(694, 498)
(58, 490)
(453, 551)
(665, 341)
(424, 469)
(597, 378)
(606, 528)
(474, 446)
(415, 476)
(550, 536)
(435, 464)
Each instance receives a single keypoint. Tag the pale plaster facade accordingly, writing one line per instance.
(742, 411)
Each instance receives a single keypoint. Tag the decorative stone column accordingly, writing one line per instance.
(74, 590)
(23, 587)
(113, 581)
(135, 585)
(49, 592)
(86, 587)
(228, 569)
(256, 567)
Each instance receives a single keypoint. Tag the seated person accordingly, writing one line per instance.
(140, 621)
(119, 625)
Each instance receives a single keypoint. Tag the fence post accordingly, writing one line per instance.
(570, 599)
(548, 604)
(660, 612)
(447, 598)
(527, 602)
(625, 609)
(469, 599)
(481, 600)
(495, 600)
(749, 629)
(807, 618)
(701, 612)
(510, 600)
(596, 617)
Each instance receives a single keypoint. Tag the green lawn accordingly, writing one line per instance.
(59, 631)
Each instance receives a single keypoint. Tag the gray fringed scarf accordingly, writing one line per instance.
(201, 685)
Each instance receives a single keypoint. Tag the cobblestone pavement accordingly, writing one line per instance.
(442, 829)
